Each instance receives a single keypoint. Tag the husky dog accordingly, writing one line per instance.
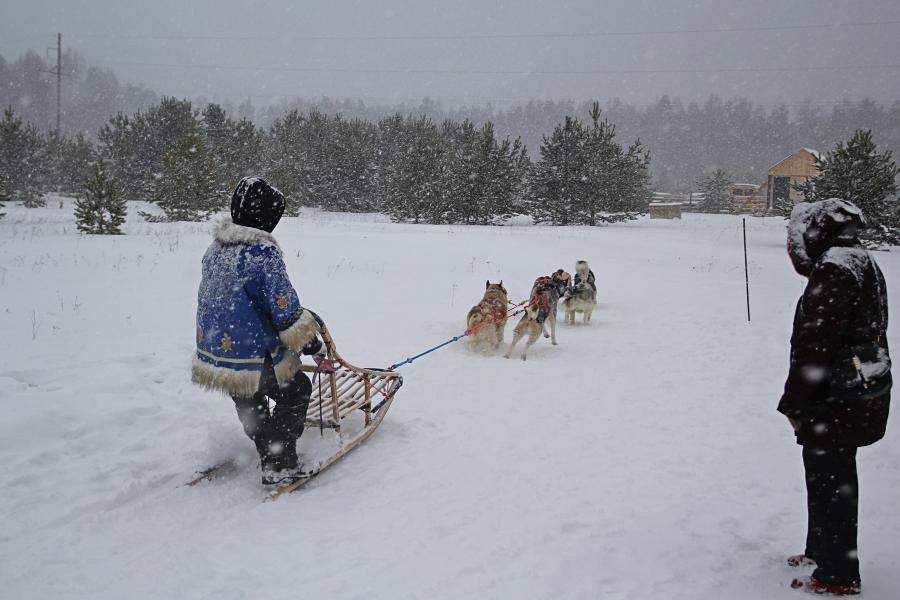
(581, 298)
(487, 319)
(583, 274)
(542, 306)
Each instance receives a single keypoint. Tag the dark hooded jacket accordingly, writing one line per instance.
(842, 313)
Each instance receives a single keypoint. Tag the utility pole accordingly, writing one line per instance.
(58, 72)
(58, 81)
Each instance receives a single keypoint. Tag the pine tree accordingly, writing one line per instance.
(557, 178)
(218, 134)
(100, 208)
(716, 188)
(185, 188)
(21, 160)
(413, 179)
(856, 171)
(462, 181)
(72, 161)
(136, 146)
(586, 177)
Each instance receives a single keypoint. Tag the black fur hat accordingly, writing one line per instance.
(256, 204)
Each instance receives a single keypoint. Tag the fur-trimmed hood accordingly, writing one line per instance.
(816, 227)
(226, 232)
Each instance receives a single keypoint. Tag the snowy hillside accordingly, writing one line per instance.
(642, 458)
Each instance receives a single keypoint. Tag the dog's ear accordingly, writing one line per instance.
(487, 283)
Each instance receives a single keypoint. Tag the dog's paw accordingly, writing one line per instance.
(546, 335)
(506, 356)
(555, 343)
(524, 357)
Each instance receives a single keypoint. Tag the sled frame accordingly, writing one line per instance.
(336, 395)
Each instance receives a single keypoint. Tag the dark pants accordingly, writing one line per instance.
(832, 498)
(275, 432)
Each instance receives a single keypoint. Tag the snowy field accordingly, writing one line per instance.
(642, 458)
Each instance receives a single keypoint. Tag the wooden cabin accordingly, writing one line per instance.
(796, 168)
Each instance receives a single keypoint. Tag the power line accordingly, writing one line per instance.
(453, 102)
(418, 71)
(498, 36)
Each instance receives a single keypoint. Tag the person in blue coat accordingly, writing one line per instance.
(252, 329)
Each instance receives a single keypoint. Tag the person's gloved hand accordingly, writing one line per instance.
(314, 346)
(326, 365)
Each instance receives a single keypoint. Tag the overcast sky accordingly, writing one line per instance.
(477, 51)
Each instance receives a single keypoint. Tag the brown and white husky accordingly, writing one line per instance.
(487, 319)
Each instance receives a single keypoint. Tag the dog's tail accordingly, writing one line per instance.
(582, 268)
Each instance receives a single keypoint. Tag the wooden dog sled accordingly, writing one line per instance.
(337, 396)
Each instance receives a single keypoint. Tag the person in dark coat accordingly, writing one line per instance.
(251, 329)
(837, 391)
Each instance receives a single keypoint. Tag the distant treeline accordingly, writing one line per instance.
(187, 160)
(688, 140)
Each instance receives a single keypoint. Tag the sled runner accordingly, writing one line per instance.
(337, 395)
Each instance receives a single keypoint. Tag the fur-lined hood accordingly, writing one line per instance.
(816, 227)
(226, 232)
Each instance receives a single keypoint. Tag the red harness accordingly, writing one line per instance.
(541, 297)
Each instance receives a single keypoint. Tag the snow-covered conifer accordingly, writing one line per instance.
(22, 160)
(856, 171)
(185, 188)
(716, 188)
(100, 208)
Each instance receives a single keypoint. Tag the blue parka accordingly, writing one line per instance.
(247, 309)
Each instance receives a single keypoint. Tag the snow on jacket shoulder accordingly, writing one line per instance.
(247, 309)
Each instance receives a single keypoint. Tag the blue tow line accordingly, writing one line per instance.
(429, 351)
(447, 343)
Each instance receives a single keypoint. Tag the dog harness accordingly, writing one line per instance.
(541, 298)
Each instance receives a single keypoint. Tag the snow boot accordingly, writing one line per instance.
(274, 476)
(814, 586)
(277, 460)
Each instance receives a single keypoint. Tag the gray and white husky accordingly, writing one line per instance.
(582, 296)
(542, 306)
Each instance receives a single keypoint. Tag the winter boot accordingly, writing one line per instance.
(277, 460)
(814, 586)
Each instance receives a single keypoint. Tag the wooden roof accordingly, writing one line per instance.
(805, 158)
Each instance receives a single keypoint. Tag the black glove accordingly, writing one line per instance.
(314, 346)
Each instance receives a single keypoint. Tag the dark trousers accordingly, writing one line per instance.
(832, 498)
(275, 432)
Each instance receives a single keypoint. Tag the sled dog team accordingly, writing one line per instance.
(486, 321)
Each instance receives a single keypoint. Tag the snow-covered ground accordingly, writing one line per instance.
(641, 458)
